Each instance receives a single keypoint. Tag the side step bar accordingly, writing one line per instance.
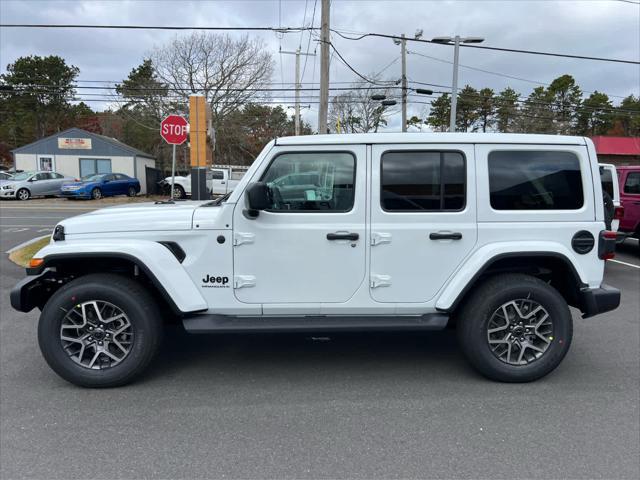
(206, 323)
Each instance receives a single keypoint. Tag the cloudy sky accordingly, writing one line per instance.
(607, 28)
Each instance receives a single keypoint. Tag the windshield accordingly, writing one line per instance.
(92, 178)
(22, 176)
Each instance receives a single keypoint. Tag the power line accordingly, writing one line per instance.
(499, 49)
(500, 74)
(156, 27)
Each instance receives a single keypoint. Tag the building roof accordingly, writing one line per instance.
(617, 145)
(109, 145)
(445, 137)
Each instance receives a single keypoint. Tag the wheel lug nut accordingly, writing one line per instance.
(90, 328)
(99, 343)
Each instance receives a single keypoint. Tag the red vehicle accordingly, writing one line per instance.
(629, 178)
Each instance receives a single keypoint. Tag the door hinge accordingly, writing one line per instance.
(242, 281)
(239, 238)
(378, 237)
(380, 281)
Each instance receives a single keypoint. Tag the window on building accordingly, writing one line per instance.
(632, 183)
(309, 181)
(535, 180)
(429, 181)
(46, 163)
(93, 166)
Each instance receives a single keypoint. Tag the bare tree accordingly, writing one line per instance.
(356, 112)
(227, 71)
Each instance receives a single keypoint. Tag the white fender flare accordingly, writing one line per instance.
(153, 258)
(485, 255)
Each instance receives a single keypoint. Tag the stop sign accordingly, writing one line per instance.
(174, 129)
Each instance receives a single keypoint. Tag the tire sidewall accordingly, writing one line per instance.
(560, 315)
(144, 334)
(178, 192)
(131, 192)
(23, 190)
(94, 192)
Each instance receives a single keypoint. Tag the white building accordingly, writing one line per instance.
(76, 153)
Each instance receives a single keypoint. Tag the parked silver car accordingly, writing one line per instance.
(25, 185)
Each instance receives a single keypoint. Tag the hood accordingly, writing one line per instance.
(145, 217)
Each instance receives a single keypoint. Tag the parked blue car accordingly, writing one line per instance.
(101, 185)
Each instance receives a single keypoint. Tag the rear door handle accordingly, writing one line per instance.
(342, 236)
(445, 236)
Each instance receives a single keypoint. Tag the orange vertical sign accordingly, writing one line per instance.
(198, 130)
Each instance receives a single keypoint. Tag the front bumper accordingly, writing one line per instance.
(74, 194)
(599, 300)
(33, 290)
(7, 193)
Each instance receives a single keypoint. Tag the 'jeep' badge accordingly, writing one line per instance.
(211, 281)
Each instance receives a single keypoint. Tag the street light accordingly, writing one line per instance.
(454, 90)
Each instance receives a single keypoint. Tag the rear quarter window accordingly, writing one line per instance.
(535, 180)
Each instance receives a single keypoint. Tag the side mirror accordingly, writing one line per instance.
(257, 197)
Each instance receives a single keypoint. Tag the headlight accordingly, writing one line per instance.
(9, 187)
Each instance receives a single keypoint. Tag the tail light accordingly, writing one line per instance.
(607, 244)
(618, 213)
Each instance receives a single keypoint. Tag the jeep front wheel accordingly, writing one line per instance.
(100, 330)
(515, 328)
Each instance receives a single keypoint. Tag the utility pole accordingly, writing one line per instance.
(297, 53)
(403, 49)
(323, 110)
(454, 89)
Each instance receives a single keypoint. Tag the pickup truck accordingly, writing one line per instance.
(220, 181)
(495, 235)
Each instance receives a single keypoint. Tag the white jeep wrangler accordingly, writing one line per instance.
(493, 234)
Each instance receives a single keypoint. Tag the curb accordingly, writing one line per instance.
(24, 244)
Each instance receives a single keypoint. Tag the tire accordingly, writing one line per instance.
(143, 334)
(23, 194)
(131, 192)
(96, 194)
(484, 309)
(178, 192)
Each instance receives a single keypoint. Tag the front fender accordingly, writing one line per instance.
(485, 255)
(153, 258)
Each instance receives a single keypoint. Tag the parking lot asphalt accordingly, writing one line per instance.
(350, 406)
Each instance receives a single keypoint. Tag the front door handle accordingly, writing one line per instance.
(445, 236)
(343, 236)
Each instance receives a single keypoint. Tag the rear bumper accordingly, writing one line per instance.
(599, 300)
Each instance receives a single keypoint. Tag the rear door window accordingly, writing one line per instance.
(535, 180)
(429, 181)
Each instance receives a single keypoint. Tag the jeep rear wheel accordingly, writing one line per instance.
(515, 328)
(100, 330)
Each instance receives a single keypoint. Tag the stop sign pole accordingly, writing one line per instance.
(174, 131)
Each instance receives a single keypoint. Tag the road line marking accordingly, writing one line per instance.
(625, 263)
(3, 217)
